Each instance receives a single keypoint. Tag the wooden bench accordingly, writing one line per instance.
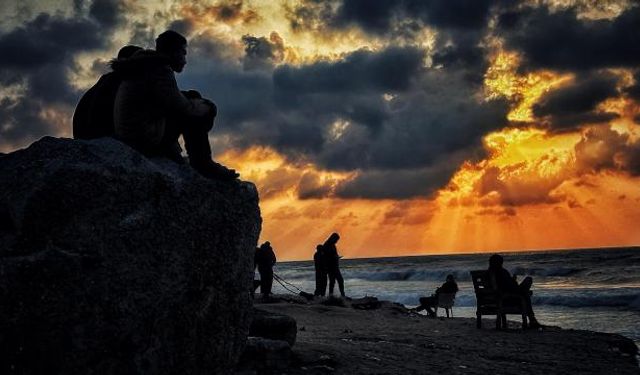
(490, 301)
(446, 301)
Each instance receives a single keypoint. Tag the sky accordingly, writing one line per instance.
(408, 126)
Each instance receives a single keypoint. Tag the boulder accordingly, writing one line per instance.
(273, 326)
(113, 263)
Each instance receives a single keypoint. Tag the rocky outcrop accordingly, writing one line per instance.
(112, 263)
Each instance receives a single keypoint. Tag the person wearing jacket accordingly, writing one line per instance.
(332, 260)
(320, 266)
(93, 116)
(431, 303)
(265, 259)
(151, 112)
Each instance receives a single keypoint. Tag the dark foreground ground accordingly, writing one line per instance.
(390, 340)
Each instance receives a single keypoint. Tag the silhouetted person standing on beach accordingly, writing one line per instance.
(430, 303)
(265, 259)
(332, 262)
(93, 116)
(506, 283)
(320, 265)
(150, 112)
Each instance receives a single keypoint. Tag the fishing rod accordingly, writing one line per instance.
(280, 281)
(300, 292)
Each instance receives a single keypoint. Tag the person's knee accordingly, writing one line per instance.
(526, 283)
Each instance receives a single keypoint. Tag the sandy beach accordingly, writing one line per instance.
(392, 340)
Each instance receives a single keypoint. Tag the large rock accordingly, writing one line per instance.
(111, 263)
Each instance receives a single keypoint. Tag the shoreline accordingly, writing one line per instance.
(391, 339)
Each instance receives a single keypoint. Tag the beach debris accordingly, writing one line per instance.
(365, 303)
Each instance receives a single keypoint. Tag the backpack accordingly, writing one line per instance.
(93, 117)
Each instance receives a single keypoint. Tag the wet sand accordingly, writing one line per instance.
(392, 340)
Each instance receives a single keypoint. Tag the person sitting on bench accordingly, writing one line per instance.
(506, 283)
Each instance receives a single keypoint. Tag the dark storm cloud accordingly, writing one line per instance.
(461, 25)
(45, 40)
(461, 14)
(398, 184)
(19, 120)
(386, 71)
(574, 105)
(336, 115)
(183, 26)
(602, 148)
(108, 13)
(312, 187)
(378, 16)
(373, 16)
(561, 41)
(38, 56)
(261, 52)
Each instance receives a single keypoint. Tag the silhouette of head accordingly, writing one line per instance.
(495, 261)
(174, 46)
(265, 245)
(319, 248)
(128, 51)
(450, 278)
(333, 238)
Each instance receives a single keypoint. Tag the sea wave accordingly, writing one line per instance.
(628, 300)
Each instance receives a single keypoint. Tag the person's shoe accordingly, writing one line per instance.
(215, 171)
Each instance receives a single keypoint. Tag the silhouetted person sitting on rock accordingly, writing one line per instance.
(332, 263)
(320, 265)
(431, 303)
(506, 283)
(265, 259)
(93, 116)
(150, 112)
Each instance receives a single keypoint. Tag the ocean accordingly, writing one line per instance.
(592, 289)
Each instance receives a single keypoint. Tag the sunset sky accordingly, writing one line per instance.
(408, 126)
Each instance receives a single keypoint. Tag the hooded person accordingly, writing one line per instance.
(93, 116)
(430, 303)
(332, 263)
(319, 264)
(507, 283)
(265, 259)
(150, 111)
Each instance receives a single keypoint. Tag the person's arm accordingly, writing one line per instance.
(173, 101)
